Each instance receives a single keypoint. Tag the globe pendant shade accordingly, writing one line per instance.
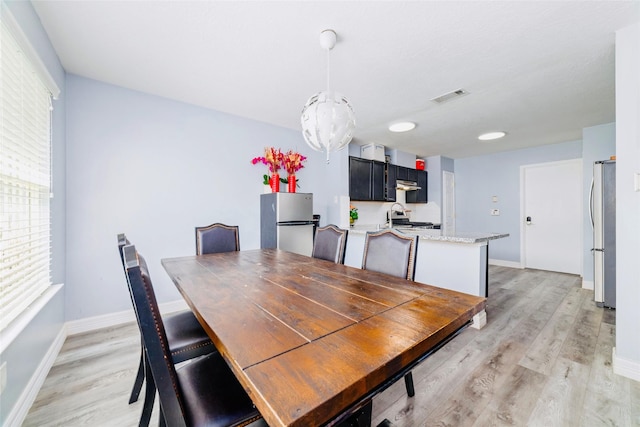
(328, 122)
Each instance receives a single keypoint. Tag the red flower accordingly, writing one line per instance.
(272, 158)
(292, 161)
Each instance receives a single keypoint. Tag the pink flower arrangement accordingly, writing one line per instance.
(272, 158)
(292, 161)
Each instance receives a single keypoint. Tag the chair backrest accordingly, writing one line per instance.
(122, 242)
(217, 238)
(330, 244)
(154, 336)
(390, 252)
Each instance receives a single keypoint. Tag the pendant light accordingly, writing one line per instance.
(327, 118)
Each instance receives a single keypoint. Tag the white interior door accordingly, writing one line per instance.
(448, 202)
(552, 216)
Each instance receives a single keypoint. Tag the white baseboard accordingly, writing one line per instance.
(89, 324)
(587, 284)
(502, 263)
(104, 321)
(625, 367)
(21, 409)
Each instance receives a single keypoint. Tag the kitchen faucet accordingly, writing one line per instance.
(390, 214)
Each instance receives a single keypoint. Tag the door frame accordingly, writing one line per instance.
(523, 168)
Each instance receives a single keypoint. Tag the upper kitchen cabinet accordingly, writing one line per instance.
(366, 180)
(406, 174)
(419, 196)
(392, 170)
(412, 175)
(402, 173)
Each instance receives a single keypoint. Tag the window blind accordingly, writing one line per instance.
(25, 181)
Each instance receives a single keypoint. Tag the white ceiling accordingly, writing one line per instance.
(539, 70)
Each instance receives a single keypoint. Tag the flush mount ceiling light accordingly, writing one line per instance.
(489, 136)
(402, 126)
(327, 118)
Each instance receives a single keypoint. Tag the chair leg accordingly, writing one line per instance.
(149, 396)
(408, 382)
(137, 385)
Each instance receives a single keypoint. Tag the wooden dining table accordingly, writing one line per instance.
(312, 342)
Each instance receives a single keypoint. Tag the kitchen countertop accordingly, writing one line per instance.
(437, 235)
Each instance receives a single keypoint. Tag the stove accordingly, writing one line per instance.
(407, 223)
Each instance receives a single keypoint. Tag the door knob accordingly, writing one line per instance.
(528, 220)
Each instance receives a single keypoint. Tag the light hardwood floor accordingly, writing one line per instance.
(543, 359)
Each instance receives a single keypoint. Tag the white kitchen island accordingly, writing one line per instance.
(457, 261)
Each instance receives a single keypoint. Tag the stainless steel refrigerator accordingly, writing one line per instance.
(603, 220)
(286, 222)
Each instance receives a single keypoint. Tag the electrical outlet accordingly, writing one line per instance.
(3, 376)
(495, 212)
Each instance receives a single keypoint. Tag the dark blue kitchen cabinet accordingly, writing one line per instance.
(392, 170)
(366, 180)
(402, 173)
(421, 195)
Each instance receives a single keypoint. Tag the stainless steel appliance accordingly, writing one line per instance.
(603, 219)
(400, 218)
(286, 222)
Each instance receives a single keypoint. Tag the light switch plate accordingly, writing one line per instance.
(636, 181)
(494, 199)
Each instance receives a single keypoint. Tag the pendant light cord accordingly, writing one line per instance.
(328, 67)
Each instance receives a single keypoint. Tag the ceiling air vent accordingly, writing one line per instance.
(449, 96)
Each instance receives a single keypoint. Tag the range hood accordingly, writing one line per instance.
(406, 185)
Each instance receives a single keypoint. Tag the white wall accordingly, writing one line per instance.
(154, 169)
(480, 178)
(627, 360)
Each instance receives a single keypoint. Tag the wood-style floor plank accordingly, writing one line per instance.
(561, 401)
(514, 401)
(543, 359)
(608, 401)
(90, 382)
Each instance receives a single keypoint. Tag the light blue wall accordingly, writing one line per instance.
(598, 143)
(434, 180)
(154, 169)
(480, 178)
(627, 350)
(25, 353)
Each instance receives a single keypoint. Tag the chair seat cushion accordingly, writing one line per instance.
(209, 379)
(186, 337)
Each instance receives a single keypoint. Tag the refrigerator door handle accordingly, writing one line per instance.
(293, 223)
(591, 203)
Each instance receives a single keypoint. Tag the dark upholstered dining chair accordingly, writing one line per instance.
(186, 338)
(203, 392)
(217, 238)
(392, 253)
(330, 243)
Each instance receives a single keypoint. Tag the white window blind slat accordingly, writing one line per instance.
(25, 147)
